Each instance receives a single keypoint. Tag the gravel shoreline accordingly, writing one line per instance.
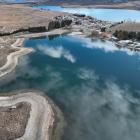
(12, 58)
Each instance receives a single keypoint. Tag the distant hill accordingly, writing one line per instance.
(80, 2)
(133, 3)
(68, 1)
(90, 1)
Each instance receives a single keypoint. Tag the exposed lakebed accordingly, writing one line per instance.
(95, 84)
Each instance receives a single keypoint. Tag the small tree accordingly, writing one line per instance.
(116, 33)
(125, 35)
(120, 34)
(132, 35)
(138, 36)
(103, 29)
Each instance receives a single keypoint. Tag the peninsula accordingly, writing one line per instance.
(25, 114)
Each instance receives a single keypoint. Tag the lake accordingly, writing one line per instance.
(114, 15)
(95, 84)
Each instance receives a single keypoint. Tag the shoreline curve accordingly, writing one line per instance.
(12, 58)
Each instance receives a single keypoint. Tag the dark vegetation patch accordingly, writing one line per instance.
(125, 35)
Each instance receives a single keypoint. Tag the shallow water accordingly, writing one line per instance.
(114, 15)
(94, 83)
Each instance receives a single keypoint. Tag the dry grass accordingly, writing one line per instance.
(13, 17)
(128, 26)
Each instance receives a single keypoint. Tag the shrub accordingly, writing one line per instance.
(132, 35)
(124, 35)
(103, 29)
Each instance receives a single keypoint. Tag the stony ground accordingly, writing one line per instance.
(13, 120)
(4, 52)
(15, 114)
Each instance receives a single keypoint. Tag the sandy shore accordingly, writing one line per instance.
(53, 32)
(41, 116)
(12, 58)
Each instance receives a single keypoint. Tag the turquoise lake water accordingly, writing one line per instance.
(95, 84)
(114, 15)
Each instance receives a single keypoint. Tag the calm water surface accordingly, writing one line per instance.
(102, 14)
(96, 85)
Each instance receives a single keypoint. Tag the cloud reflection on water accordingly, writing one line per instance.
(93, 110)
(57, 52)
(102, 113)
(106, 46)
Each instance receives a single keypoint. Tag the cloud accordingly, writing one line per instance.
(106, 46)
(22, 71)
(25, 68)
(101, 110)
(57, 52)
(94, 108)
(55, 80)
(86, 74)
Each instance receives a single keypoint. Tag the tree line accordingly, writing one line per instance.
(125, 35)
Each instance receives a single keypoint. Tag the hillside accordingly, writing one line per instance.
(124, 4)
(69, 1)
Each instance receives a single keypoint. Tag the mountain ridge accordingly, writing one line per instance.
(69, 1)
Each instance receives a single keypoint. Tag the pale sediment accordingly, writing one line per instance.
(12, 58)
